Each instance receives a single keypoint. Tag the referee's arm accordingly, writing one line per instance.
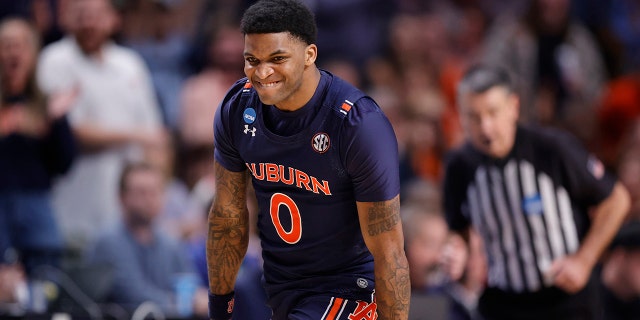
(571, 273)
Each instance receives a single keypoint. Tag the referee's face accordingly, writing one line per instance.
(279, 67)
(489, 120)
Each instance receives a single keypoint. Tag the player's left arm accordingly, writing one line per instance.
(382, 231)
(370, 150)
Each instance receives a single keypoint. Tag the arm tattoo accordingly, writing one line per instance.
(395, 281)
(384, 237)
(382, 217)
(228, 230)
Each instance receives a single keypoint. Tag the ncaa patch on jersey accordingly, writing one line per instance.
(249, 115)
(320, 142)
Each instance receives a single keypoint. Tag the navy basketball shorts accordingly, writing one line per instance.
(323, 307)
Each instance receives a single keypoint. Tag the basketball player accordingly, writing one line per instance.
(324, 165)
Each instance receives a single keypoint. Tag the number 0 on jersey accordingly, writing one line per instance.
(292, 236)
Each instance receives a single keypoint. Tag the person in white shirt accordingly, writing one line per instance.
(115, 116)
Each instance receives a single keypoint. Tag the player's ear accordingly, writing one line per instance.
(311, 53)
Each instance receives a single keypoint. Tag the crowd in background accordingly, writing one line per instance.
(106, 136)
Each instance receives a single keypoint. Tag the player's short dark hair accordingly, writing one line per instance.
(275, 16)
(480, 78)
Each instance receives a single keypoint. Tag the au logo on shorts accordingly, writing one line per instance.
(320, 142)
(365, 311)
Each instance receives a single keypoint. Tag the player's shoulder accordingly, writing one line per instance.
(350, 101)
(240, 88)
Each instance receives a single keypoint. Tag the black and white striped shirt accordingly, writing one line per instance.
(530, 207)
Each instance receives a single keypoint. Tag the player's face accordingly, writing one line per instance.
(277, 65)
(489, 120)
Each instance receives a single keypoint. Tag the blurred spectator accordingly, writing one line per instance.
(116, 114)
(618, 112)
(43, 14)
(199, 100)
(427, 53)
(426, 236)
(624, 22)
(211, 16)
(183, 211)
(621, 274)
(204, 91)
(163, 45)
(429, 246)
(558, 66)
(13, 288)
(36, 144)
(351, 29)
(146, 263)
(628, 168)
(405, 81)
(344, 70)
(425, 144)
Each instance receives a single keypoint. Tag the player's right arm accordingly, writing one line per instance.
(228, 234)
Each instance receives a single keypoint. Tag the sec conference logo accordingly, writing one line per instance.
(320, 142)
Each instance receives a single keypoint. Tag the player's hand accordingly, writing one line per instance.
(569, 273)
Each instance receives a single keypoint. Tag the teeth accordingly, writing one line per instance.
(269, 84)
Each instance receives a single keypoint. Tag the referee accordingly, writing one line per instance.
(544, 206)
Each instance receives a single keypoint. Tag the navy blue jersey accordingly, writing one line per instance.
(309, 167)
